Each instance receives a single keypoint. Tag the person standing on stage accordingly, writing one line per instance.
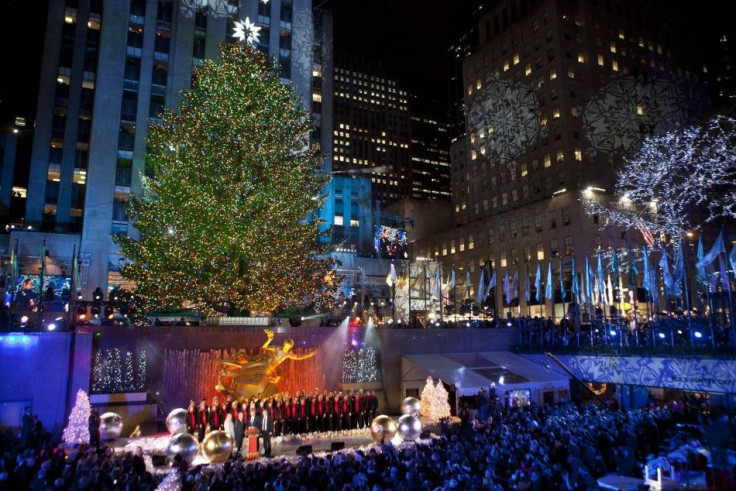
(305, 414)
(277, 410)
(191, 418)
(94, 428)
(216, 415)
(347, 413)
(266, 426)
(239, 431)
(229, 425)
(233, 409)
(202, 419)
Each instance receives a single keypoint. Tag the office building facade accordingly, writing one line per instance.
(555, 96)
(109, 68)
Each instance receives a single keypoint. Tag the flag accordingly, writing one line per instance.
(601, 279)
(451, 283)
(479, 297)
(701, 276)
(633, 270)
(575, 286)
(506, 290)
(679, 270)
(648, 283)
(588, 286)
(526, 286)
(14, 266)
(437, 281)
(467, 283)
(515, 286)
(717, 248)
(538, 282)
(43, 267)
(491, 284)
(732, 257)
(614, 264)
(562, 283)
(610, 291)
(666, 275)
(725, 282)
(549, 293)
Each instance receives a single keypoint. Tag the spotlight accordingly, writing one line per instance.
(501, 380)
(612, 332)
(51, 326)
(508, 324)
(661, 335)
(698, 334)
(679, 331)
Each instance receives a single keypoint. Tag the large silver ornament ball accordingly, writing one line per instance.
(183, 444)
(409, 427)
(176, 421)
(217, 446)
(111, 425)
(410, 405)
(383, 428)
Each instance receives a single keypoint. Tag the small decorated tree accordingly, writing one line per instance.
(77, 430)
(427, 399)
(440, 403)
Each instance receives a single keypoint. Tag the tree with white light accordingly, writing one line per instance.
(675, 182)
(77, 430)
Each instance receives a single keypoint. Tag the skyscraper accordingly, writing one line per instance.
(109, 68)
(556, 94)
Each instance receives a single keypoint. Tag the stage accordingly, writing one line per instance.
(155, 445)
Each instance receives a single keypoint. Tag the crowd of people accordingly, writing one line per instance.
(560, 446)
(283, 413)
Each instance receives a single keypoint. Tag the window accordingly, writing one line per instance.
(565, 215)
(527, 254)
(540, 251)
(568, 245)
(525, 226)
(538, 223)
(514, 230)
(547, 161)
(339, 221)
(553, 248)
(552, 220)
(503, 260)
(471, 244)
(501, 233)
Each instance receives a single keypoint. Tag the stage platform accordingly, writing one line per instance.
(155, 445)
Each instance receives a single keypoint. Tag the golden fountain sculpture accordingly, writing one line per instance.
(256, 375)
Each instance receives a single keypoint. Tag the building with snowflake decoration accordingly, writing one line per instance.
(111, 67)
(555, 95)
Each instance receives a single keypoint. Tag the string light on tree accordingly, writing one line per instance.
(140, 375)
(441, 403)
(427, 399)
(77, 429)
(234, 179)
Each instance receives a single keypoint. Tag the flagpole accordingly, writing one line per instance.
(528, 294)
(425, 289)
(442, 314)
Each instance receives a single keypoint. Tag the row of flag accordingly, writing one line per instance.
(595, 285)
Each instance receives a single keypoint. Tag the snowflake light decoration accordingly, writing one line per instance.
(247, 31)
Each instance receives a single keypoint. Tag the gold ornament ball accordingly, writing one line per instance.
(183, 444)
(111, 425)
(217, 446)
(383, 428)
(176, 421)
(410, 427)
(410, 405)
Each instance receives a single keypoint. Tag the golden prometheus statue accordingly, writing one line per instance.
(257, 375)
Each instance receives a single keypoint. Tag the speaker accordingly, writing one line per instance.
(304, 450)
(335, 446)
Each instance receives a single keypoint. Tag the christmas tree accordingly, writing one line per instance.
(440, 403)
(77, 430)
(427, 399)
(228, 217)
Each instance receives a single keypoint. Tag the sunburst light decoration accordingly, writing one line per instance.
(247, 31)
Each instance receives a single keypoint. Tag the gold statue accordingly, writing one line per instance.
(257, 375)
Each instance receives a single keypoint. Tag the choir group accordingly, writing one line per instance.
(297, 414)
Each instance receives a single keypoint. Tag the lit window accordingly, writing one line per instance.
(528, 70)
(516, 59)
(556, 113)
(543, 120)
(540, 251)
(547, 161)
(614, 65)
(560, 155)
(578, 155)
(601, 61)
(506, 66)
(316, 97)
(621, 34)
(354, 222)
(613, 47)
(552, 74)
(581, 57)
(570, 73)
(452, 246)
(338, 220)
(478, 84)
(639, 110)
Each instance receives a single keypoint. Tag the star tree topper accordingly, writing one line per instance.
(247, 31)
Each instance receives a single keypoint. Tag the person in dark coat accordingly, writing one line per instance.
(27, 427)
(266, 426)
(94, 428)
(239, 426)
